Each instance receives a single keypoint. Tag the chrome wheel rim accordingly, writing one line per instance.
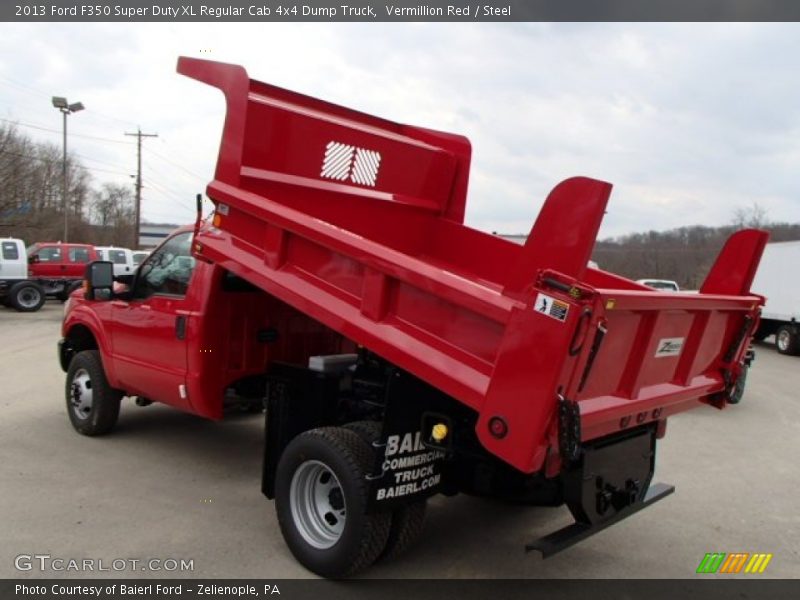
(318, 505)
(80, 394)
(783, 339)
(29, 297)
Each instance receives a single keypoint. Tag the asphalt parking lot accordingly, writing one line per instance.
(167, 485)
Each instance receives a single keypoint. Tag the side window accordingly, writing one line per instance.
(168, 269)
(117, 257)
(78, 255)
(49, 254)
(10, 251)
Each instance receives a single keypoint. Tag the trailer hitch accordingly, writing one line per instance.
(608, 482)
(570, 535)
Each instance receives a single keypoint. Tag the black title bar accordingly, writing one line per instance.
(397, 10)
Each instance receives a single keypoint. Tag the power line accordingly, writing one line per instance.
(49, 160)
(166, 193)
(174, 176)
(101, 162)
(89, 137)
(181, 167)
(30, 90)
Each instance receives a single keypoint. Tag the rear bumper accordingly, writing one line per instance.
(572, 534)
(608, 481)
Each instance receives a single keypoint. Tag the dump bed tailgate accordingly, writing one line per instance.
(658, 352)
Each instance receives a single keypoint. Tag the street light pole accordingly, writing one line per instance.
(66, 109)
(64, 180)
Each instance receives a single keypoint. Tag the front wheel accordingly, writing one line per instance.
(92, 404)
(321, 499)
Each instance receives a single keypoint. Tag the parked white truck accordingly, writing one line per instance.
(122, 259)
(16, 288)
(776, 279)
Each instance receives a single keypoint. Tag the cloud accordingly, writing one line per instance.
(688, 121)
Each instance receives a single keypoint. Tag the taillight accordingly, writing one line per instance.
(498, 427)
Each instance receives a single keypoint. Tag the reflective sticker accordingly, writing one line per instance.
(669, 347)
(552, 307)
(222, 209)
(343, 162)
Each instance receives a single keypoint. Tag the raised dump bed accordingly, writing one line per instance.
(357, 221)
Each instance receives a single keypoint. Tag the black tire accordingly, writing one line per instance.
(738, 388)
(369, 431)
(26, 296)
(68, 289)
(408, 521)
(86, 376)
(406, 530)
(349, 459)
(787, 339)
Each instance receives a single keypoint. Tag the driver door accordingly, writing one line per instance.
(149, 330)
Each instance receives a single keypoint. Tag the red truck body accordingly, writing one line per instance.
(56, 260)
(389, 264)
(347, 231)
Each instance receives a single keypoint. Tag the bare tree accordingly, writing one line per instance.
(112, 209)
(754, 215)
(31, 201)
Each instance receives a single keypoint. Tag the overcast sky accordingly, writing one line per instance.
(688, 121)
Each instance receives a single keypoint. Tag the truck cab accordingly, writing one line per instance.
(55, 260)
(209, 328)
(13, 264)
(16, 290)
(58, 268)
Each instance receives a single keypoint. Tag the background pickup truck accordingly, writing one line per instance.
(399, 353)
(28, 276)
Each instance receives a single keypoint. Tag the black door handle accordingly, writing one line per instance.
(180, 327)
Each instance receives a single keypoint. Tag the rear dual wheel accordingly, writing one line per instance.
(407, 521)
(787, 339)
(26, 296)
(321, 499)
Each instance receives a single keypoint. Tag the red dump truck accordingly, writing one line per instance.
(399, 353)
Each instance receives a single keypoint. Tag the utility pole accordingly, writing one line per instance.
(139, 135)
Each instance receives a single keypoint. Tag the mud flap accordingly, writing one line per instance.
(609, 482)
(298, 399)
(408, 461)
